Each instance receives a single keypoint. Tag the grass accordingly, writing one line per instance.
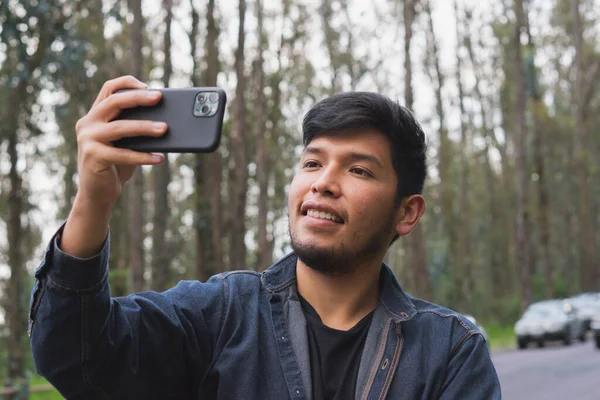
(52, 395)
(501, 337)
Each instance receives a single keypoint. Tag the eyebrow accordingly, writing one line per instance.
(352, 156)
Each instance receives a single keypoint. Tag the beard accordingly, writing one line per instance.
(343, 258)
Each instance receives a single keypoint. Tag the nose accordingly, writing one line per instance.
(327, 183)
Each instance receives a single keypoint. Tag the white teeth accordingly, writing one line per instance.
(322, 215)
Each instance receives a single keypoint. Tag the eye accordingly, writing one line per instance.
(361, 172)
(310, 164)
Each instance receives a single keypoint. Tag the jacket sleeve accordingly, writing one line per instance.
(148, 345)
(471, 373)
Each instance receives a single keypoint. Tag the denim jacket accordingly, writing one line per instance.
(240, 335)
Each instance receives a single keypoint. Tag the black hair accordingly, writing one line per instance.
(350, 111)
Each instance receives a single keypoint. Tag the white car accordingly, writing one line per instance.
(595, 327)
(587, 306)
(549, 320)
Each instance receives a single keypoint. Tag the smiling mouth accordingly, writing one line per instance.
(324, 215)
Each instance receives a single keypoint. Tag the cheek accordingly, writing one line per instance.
(374, 209)
(295, 194)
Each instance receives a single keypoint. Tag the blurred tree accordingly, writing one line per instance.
(96, 64)
(32, 37)
(265, 249)
(522, 178)
(538, 112)
(237, 248)
(415, 242)
(208, 167)
(465, 238)
(586, 232)
(452, 260)
(491, 142)
(215, 163)
(291, 82)
(161, 176)
(135, 188)
(497, 184)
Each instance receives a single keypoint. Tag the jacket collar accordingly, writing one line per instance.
(393, 299)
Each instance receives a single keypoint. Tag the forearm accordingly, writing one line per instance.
(86, 228)
(148, 345)
(64, 291)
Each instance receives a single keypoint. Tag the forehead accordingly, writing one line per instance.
(364, 141)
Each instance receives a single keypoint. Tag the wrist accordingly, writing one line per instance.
(90, 204)
(86, 228)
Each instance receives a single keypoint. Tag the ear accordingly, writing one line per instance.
(409, 213)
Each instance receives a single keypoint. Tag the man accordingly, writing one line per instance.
(327, 321)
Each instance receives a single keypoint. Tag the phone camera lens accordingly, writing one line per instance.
(201, 98)
(205, 109)
(213, 97)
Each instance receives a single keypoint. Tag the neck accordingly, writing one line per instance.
(341, 301)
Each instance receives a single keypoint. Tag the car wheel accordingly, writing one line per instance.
(583, 337)
(541, 343)
(598, 342)
(567, 338)
(522, 343)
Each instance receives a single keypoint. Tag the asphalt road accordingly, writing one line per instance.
(553, 372)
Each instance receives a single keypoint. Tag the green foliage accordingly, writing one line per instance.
(50, 395)
(560, 286)
(500, 336)
(503, 311)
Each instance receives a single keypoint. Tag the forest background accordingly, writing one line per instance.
(506, 91)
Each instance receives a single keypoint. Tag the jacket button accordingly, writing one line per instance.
(385, 364)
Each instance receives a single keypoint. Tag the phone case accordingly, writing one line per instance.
(187, 133)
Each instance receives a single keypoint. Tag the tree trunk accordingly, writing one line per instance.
(15, 312)
(415, 248)
(498, 252)
(238, 220)
(135, 193)
(202, 270)
(452, 259)
(208, 167)
(464, 240)
(161, 176)
(264, 257)
(214, 161)
(539, 150)
(586, 231)
(331, 44)
(14, 309)
(570, 222)
(521, 176)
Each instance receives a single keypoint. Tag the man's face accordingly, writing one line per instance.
(341, 202)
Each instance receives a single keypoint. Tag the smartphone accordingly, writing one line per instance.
(194, 117)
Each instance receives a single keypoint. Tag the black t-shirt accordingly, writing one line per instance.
(334, 355)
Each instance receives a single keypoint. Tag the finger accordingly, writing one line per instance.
(108, 155)
(118, 156)
(123, 82)
(128, 128)
(111, 107)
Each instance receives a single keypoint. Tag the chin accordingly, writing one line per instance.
(338, 257)
(333, 260)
